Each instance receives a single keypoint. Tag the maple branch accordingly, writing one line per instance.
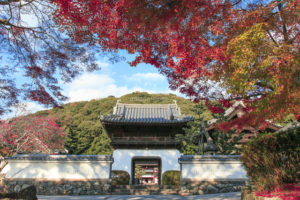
(284, 28)
(237, 2)
(272, 38)
(29, 2)
(7, 2)
(264, 85)
(6, 22)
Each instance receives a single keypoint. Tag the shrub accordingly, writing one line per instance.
(272, 160)
(171, 178)
(120, 177)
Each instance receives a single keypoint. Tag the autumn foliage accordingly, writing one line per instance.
(272, 160)
(30, 134)
(35, 56)
(250, 49)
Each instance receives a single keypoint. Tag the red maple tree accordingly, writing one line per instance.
(30, 134)
(250, 49)
(36, 54)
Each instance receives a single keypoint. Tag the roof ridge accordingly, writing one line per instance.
(155, 104)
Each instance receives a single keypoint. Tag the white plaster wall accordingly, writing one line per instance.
(213, 170)
(57, 169)
(123, 158)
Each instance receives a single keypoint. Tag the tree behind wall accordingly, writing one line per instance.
(190, 140)
(30, 134)
(272, 160)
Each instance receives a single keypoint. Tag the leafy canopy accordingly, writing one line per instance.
(37, 55)
(250, 49)
(30, 134)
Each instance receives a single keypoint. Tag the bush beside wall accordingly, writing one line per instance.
(120, 177)
(272, 160)
(171, 178)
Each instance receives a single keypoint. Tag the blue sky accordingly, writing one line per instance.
(116, 79)
(113, 79)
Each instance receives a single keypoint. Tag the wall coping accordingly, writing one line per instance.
(201, 180)
(47, 157)
(59, 180)
(209, 158)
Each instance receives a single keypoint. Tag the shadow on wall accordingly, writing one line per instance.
(57, 167)
(59, 174)
(211, 171)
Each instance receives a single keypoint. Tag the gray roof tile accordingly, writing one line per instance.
(146, 113)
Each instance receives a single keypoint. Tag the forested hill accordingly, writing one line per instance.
(80, 120)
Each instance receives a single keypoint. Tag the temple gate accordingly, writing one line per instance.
(143, 136)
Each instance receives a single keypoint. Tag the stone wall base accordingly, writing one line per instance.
(61, 187)
(189, 187)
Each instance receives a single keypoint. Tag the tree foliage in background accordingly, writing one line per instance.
(80, 120)
(226, 142)
(190, 140)
(30, 134)
(250, 49)
(139, 171)
(272, 160)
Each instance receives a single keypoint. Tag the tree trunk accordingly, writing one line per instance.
(2, 163)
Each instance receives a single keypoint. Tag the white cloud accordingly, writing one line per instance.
(145, 76)
(95, 86)
(102, 64)
(33, 107)
(23, 108)
(177, 93)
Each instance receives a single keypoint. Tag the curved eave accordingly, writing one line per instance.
(148, 123)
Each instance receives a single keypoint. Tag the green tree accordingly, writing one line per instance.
(71, 140)
(191, 140)
(226, 142)
(85, 134)
(139, 172)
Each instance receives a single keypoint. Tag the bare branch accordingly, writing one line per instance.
(272, 38)
(7, 2)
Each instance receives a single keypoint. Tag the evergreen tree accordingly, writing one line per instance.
(71, 140)
(191, 141)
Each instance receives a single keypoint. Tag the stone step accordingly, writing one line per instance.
(145, 189)
(159, 190)
(143, 192)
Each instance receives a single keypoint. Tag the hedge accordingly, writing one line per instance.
(120, 177)
(272, 160)
(171, 178)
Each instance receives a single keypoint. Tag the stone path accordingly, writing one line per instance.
(220, 196)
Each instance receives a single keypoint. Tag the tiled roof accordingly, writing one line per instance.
(146, 113)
